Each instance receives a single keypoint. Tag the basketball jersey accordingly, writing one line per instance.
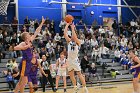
(61, 63)
(73, 50)
(34, 69)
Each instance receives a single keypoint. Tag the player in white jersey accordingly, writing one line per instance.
(61, 65)
(73, 49)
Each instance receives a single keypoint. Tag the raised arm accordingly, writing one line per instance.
(66, 33)
(74, 35)
(22, 46)
(38, 29)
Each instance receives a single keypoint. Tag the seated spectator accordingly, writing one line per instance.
(117, 55)
(41, 44)
(16, 75)
(36, 54)
(43, 52)
(9, 65)
(94, 42)
(10, 80)
(102, 31)
(51, 52)
(103, 52)
(57, 38)
(49, 44)
(58, 50)
(93, 71)
(84, 63)
(13, 53)
(15, 65)
(95, 53)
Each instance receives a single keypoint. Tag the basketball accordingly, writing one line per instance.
(69, 18)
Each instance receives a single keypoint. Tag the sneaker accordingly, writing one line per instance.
(85, 89)
(76, 89)
(65, 90)
(55, 90)
(78, 85)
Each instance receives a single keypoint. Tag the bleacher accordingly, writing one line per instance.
(105, 76)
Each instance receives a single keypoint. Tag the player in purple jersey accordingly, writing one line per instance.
(25, 65)
(136, 66)
(32, 77)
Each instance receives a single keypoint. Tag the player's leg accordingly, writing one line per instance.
(21, 84)
(72, 77)
(65, 83)
(82, 79)
(31, 87)
(35, 87)
(135, 82)
(57, 81)
(64, 80)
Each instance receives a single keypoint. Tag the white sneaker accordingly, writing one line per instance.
(78, 85)
(76, 89)
(85, 89)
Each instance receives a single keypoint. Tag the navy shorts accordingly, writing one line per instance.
(32, 79)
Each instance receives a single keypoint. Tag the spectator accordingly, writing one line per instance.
(94, 42)
(115, 27)
(16, 75)
(58, 50)
(49, 44)
(41, 44)
(61, 26)
(10, 80)
(117, 55)
(9, 65)
(24, 28)
(52, 27)
(12, 52)
(84, 63)
(31, 29)
(27, 23)
(103, 52)
(102, 31)
(15, 65)
(36, 24)
(57, 38)
(93, 71)
(15, 25)
(95, 53)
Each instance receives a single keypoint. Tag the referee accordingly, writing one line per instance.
(46, 67)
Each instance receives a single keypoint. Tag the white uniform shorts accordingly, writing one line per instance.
(73, 65)
(61, 72)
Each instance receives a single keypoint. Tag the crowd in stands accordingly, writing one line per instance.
(96, 40)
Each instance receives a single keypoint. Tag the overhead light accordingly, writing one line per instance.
(100, 16)
(73, 6)
(109, 8)
(92, 12)
(44, 0)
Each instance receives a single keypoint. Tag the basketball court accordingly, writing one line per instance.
(106, 88)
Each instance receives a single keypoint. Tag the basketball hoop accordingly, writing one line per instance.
(3, 6)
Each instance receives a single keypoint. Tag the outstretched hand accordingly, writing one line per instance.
(72, 26)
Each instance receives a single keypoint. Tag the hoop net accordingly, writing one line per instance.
(3, 7)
